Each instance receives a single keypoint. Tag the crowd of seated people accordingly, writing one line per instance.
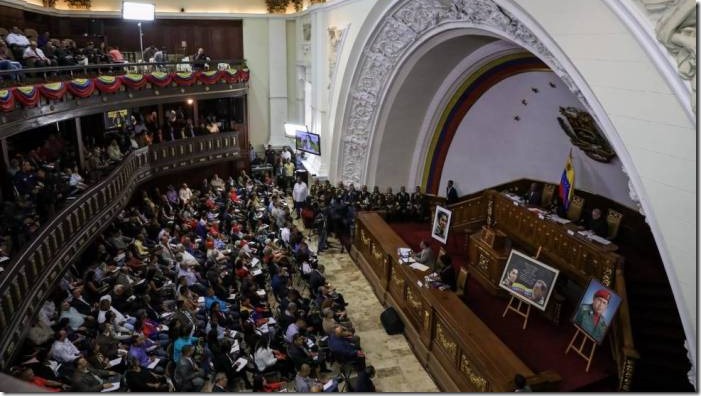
(20, 49)
(45, 178)
(195, 290)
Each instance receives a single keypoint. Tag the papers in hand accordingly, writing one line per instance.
(200, 300)
(240, 363)
(419, 266)
(235, 348)
(260, 292)
(114, 362)
(328, 385)
(154, 363)
(232, 296)
(257, 272)
(255, 262)
(114, 387)
(152, 348)
(166, 314)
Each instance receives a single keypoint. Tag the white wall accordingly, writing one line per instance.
(490, 147)
(651, 130)
(255, 50)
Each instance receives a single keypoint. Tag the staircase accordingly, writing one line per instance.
(657, 331)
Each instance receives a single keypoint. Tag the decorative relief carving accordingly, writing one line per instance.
(483, 262)
(627, 376)
(364, 238)
(337, 36)
(607, 279)
(675, 27)
(475, 379)
(415, 304)
(393, 37)
(376, 253)
(584, 133)
(427, 321)
(398, 282)
(445, 343)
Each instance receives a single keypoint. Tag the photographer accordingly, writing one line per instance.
(320, 224)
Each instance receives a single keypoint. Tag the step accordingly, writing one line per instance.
(650, 379)
(667, 318)
(665, 352)
(657, 334)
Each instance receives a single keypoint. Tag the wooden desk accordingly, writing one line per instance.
(563, 248)
(456, 347)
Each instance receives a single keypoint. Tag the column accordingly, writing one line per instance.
(79, 142)
(277, 67)
(320, 91)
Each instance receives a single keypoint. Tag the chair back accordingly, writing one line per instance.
(613, 220)
(547, 197)
(461, 282)
(574, 212)
(31, 34)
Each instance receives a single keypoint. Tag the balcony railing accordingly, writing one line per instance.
(32, 273)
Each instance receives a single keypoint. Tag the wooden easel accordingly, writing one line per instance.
(516, 308)
(580, 350)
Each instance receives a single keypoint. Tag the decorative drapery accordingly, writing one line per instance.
(30, 95)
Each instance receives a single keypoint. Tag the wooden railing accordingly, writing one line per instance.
(578, 258)
(31, 275)
(622, 345)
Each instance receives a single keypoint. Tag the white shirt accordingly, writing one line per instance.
(118, 317)
(15, 38)
(286, 155)
(64, 351)
(299, 192)
(47, 311)
(185, 194)
(285, 234)
(30, 52)
(75, 179)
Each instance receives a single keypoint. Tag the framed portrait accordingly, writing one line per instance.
(441, 224)
(528, 279)
(596, 310)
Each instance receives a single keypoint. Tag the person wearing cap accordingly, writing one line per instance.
(590, 317)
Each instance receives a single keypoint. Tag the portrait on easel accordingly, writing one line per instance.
(596, 310)
(528, 279)
(441, 224)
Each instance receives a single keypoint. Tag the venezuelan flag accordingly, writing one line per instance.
(566, 188)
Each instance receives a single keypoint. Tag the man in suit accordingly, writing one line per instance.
(425, 256)
(316, 278)
(220, 382)
(533, 197)
(598, 224)
(451, 193)
(590, 317)
(188, 377)
(79, 303)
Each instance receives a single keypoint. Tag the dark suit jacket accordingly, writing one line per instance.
(452, 195)
(316, 279)
(82, 306)
(185, 372)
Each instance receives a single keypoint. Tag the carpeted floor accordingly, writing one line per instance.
(542, 345)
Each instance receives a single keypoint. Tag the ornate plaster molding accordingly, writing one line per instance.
(337, 37)
(406, 24)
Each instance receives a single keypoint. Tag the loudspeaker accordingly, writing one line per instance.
(391, 321)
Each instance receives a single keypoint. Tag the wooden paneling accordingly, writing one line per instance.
(221, 39)
(457, 348)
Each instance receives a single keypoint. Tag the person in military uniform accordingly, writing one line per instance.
(377, 200)
(418, 210)
(352, 195)
(590, 317)
(402, 200)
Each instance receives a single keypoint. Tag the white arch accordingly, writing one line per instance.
(398, 32)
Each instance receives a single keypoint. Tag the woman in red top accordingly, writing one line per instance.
(260, 384)
(233, 196)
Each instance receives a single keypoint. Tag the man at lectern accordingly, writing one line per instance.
(590, 317)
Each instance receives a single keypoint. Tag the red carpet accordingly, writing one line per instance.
(542, 345)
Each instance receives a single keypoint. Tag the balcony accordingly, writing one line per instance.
(34, 270)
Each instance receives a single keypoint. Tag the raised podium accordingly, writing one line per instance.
(488, 251)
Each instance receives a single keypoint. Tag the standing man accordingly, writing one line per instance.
(590, 317)
(299, 195)
(451, 193)
(289, 168)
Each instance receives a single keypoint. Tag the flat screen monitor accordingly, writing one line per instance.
(138, 11)
(308, 142)
(115, 119)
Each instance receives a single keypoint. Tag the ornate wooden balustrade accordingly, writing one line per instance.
(31, 275)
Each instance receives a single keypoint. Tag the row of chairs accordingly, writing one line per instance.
(574, 212)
